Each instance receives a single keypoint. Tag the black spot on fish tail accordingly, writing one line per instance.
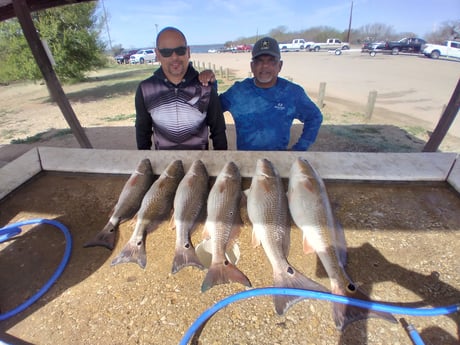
(291, 278)
(104, 238)
(185, 256)
(351, 287)
(132, 253)
(346, 314)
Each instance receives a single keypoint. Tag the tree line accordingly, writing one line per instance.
(72, 34)
(448, 30)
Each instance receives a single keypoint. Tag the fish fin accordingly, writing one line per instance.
(132, 252)
(346, 314)
(292, 279)
(185, 256)
(244, 200)
(286, 244)
(206, 234)
(255, 240)
(223, 273)
(341, 243)
(104, 238)
(172, 223)
(307, 248)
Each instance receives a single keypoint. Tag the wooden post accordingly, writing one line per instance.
(227, 73)
(321, 94)
(371, 104)
(22, 12)
(445, 122)
(221, 72)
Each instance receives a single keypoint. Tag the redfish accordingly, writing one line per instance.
(223, 224)
(156, 207)
(127, 205)
(311, 211)
(189, 206)
(269, 214)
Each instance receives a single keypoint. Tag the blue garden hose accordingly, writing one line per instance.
(206, 315)
(13, 230)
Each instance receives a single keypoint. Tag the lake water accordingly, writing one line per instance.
(204, 48)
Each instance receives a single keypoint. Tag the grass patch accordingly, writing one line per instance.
(120, 117)
(28, 140)
(39, 136)
(371, 138)
(415, 131)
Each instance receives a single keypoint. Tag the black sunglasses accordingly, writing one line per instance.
(167, 52)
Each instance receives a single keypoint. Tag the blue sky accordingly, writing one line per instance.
(134, 23)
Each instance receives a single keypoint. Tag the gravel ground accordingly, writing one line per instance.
(402, 248)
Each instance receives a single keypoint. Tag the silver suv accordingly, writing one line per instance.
(142, 56)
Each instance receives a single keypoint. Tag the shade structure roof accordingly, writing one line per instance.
(7, 10)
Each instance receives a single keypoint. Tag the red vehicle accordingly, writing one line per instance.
(244, 48)
(124, 56)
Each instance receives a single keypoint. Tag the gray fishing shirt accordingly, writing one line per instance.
(181, 116)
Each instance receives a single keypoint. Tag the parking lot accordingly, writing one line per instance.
(410, 88)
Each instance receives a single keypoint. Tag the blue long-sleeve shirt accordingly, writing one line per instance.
(263, 117)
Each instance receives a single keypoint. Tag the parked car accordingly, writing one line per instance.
(243, 48)
(124, 56)
(407, 44)
(143, 56)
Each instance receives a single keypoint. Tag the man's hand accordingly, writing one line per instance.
(207, 76)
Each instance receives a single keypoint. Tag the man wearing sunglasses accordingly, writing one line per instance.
(173, 106)
(264, 107)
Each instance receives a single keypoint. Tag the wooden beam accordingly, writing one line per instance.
(54, 86)
(445, 121)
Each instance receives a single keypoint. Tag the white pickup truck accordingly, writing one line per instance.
(296, 45)
(330, 44)
(450, 49)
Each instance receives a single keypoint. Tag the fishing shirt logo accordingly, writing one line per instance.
(280, 106)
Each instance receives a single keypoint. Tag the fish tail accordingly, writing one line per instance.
(292, 279)
(132, 252)
(222, 273)
(105, 237)
(346, 314)
(185, 256)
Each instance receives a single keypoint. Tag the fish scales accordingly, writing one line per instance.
(189, 206)
(127, 205)
(312, 212)
(155, 208)
(268, 212)
(222, 226)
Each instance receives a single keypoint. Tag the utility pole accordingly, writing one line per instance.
(107, 25)
(156, 29)
(349, 23)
